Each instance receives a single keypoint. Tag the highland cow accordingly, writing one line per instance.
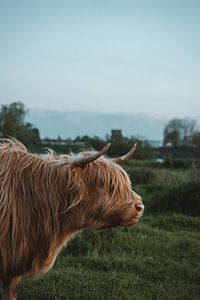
(44, 202)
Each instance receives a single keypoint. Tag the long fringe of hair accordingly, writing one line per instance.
(35, 195)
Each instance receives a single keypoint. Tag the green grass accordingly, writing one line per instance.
(158, 258)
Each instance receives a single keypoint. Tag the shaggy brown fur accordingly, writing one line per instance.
(45, 201)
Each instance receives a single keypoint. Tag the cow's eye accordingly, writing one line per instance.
(130, 202)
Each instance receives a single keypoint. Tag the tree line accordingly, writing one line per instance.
(13, 123)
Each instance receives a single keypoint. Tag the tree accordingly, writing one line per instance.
(179, 131)
(189, 127)
(196, 140)
(12, 123)
(172, 132)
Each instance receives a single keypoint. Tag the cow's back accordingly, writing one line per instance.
(23, 243)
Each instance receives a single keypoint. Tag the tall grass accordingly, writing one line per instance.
(180, 198)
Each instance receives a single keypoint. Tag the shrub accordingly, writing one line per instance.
(140, 175)
(194, 174)
(177, 163)
(154, 186)
(182, 198)
(184, 163)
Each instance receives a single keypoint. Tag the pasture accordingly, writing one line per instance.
(158, 258)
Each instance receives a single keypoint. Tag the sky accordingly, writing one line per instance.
(105, 56)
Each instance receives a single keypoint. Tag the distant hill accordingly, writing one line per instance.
(74, 123)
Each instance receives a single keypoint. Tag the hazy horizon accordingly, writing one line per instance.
(109, 56)
(53, 123)
(147, 114)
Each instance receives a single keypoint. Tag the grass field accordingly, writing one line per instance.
(158, 258)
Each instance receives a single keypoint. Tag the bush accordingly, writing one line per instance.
(177, 163)
(183, 198)
(154, 187)
(194, 174)
(183, 163)
(140, 175)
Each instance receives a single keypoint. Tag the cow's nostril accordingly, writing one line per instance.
(139, 207)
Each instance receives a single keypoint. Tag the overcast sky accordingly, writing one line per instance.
(102, 55)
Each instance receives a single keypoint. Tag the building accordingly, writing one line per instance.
(116, 134)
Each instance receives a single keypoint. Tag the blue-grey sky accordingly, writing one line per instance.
(108, 56)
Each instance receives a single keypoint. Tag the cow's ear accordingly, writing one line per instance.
(125, 157)
(83, 161)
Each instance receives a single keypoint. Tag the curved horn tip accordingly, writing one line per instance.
(133, 149)
(85, 160)
(135, 145)
(126, 156)
(106, 147)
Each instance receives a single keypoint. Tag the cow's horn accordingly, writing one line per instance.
(125, 157)
(85, 160)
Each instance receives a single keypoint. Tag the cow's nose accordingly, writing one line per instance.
(139, 207)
